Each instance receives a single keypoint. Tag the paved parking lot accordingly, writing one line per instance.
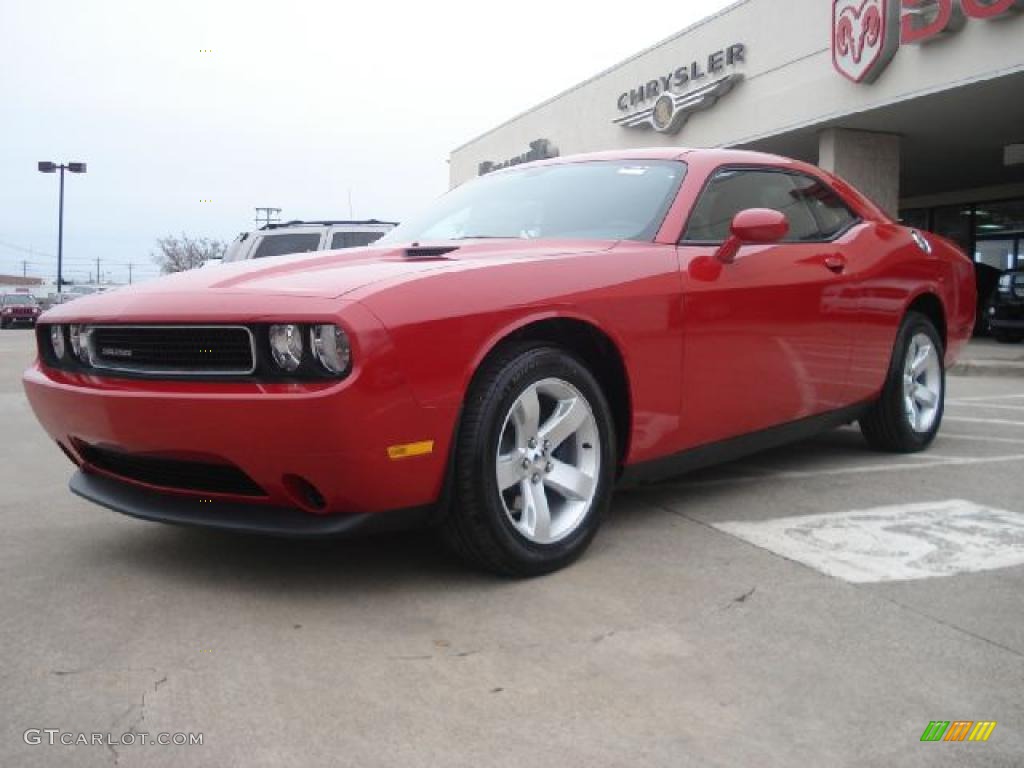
(697, 631)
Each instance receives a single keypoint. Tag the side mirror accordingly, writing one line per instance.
(754, 225)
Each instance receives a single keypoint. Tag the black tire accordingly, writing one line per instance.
(887, 427)
(1007, 337)
(478, 528)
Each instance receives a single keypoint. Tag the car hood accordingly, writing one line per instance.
(323, 275)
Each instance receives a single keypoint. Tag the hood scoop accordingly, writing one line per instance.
(429, 252)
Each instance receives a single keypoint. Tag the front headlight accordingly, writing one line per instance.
(286, 346)
(331, 348)
(79, 347)
(57, 341)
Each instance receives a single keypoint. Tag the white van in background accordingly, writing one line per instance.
(304, 237)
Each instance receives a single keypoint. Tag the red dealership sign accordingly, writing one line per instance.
(866, 34)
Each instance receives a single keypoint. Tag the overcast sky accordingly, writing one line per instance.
(296, 103)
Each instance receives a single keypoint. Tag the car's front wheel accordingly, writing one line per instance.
(534, 463)
(907, 415)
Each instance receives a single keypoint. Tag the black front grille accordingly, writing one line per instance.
(171, 473)
(172, 349)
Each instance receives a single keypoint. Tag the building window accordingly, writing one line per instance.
(992, 232)
(954, 222)
(1005, 218)
(916, 218)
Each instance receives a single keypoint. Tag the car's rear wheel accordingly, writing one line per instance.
(534, 463)
(907, 415)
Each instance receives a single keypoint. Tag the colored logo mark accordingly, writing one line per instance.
(958, 730)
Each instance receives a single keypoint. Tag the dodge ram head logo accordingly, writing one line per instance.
(865, 37)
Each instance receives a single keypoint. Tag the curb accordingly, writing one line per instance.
(987, 368)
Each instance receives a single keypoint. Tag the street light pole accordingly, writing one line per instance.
(49, 167)
(60, 234)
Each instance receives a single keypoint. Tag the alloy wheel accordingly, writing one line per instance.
(548, 461)
(922, 383)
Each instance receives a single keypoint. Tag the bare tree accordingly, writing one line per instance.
(176, 254)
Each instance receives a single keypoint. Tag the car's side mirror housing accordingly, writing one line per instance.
(754, 225)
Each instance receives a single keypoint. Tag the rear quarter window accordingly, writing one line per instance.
(829, 210)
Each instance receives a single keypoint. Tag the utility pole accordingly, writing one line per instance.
(99, 275)
(24, 268)
(130, 265)
(268, 215)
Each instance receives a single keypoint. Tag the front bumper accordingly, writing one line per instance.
(286, 437)
(28, 321)
(1007, 316)
(230, 516)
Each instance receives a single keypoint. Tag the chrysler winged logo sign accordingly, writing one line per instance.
(865, 37)
(664, 103)
(671, 111)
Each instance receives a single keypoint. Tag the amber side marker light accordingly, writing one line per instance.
(407, 450)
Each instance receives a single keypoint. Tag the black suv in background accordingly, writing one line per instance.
(1006, 312)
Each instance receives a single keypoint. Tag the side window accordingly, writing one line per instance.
(354, 239)
(277, 245)
(732, 191)
(828, 208)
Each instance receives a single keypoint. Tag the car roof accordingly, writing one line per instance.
(721, 156)
(711, 158)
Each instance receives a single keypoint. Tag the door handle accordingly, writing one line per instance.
(835, 262)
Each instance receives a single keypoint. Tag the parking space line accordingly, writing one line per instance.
(985, 397)
(1005, 422)
(893, 543)
(982, 438)
(997, 406)
(809, 474)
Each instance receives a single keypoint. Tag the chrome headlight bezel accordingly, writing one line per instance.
(331, 348)
(286, 346)
(57, 343)
(79, 336)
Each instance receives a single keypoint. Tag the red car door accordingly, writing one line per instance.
(767, 338)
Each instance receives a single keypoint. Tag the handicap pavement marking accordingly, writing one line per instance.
(894, 543)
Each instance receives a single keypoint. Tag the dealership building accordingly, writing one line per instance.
(920, 103)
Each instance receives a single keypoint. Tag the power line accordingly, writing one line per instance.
(22, 249)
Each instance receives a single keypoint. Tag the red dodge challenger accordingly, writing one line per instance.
(496, 366)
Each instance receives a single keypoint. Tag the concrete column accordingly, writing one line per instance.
(869, 161)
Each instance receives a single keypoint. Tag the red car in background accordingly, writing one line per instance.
(18, 309)
(497, 365)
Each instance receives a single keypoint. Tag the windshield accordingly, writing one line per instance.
(16, 299)
(601, 200)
